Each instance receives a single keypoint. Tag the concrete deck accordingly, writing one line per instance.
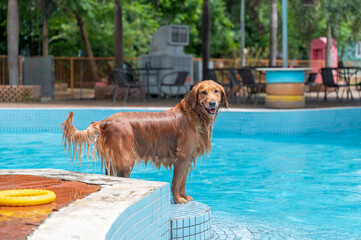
(92, 216)
(18, 222)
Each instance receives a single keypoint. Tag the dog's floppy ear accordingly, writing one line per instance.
(224, 102)
(192, 97)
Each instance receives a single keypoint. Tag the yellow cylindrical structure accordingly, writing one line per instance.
(285, 101)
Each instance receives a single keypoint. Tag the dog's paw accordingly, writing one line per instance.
(187, 197)
(180, 200)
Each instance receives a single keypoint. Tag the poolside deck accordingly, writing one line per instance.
(19, 222)
(104, 206)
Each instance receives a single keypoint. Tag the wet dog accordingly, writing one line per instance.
(173, 138)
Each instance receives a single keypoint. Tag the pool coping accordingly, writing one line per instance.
(77, 221)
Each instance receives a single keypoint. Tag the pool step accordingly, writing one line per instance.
(191, 221)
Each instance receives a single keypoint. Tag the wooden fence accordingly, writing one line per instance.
(76, 72)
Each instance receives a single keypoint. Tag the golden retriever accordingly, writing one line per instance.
(173, 138)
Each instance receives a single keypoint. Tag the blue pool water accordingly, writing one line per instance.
(296, 187)
(296, 179)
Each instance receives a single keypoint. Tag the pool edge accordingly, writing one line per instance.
(111, 212)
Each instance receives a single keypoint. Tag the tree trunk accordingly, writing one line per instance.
(243, 32)
(45, 32)
(45, 37)
(328, 57)
(118, 35)
(206, 33)
(87, 46)
(13, 42)
(273, 33)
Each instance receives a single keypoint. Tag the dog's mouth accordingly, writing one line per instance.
(212, 110)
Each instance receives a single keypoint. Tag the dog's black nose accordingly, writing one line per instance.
(212, 104)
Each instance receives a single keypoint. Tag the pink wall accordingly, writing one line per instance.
(318, 52)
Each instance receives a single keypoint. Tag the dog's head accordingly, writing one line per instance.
(207, 97)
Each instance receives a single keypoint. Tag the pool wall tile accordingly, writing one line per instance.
(149, 218)
(190, 221)
(262, 122)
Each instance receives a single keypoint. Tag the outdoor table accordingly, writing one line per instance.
(147, 70)
(285, 87)
(347, 73)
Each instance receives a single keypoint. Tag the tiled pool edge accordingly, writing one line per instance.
(229, 123)
(191, 221)
(123, 208)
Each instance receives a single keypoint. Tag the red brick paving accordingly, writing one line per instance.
(18, 222)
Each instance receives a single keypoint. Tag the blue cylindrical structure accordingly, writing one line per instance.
(285, 87)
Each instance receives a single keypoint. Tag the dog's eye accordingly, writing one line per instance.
(216, 91)
(204, 92)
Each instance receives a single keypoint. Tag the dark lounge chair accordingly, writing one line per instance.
(249, 83)
(126, 79)
(173, 79)
(328, 81)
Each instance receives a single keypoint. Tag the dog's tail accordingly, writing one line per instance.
(81, 141)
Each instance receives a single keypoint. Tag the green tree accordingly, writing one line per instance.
(273, 32)
(257, 13)
(3, 23)
(206, 32)
(141, 18)
(189, 12)
(46, 7)
(140, 22)
(336, 13)
(77, 9)
(304, 25)
(118, 34)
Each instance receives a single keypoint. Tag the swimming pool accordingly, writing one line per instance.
(279, 174)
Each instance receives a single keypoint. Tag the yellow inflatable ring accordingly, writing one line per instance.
(26, 197)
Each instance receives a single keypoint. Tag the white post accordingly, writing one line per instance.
(284, 34)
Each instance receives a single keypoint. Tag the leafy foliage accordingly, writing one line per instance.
(141, 18)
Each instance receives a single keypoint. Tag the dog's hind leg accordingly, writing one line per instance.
(124, 161)
(183, 188)
(123, 165)
(119, 152)
(111, 171)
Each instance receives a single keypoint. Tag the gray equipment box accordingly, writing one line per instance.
(40, 71)
(167, 51)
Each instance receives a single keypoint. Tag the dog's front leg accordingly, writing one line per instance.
(183, 188)
(180, 168)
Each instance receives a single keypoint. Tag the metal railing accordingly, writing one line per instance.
(76, 72)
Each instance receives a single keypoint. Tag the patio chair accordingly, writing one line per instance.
(329, 82)
(311, 82)
(126, 79)
(350, 75)
(173, 79)
(212, 75)
(234, 82)
(249, 83)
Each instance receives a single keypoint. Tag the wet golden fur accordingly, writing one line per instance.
(176, 137)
